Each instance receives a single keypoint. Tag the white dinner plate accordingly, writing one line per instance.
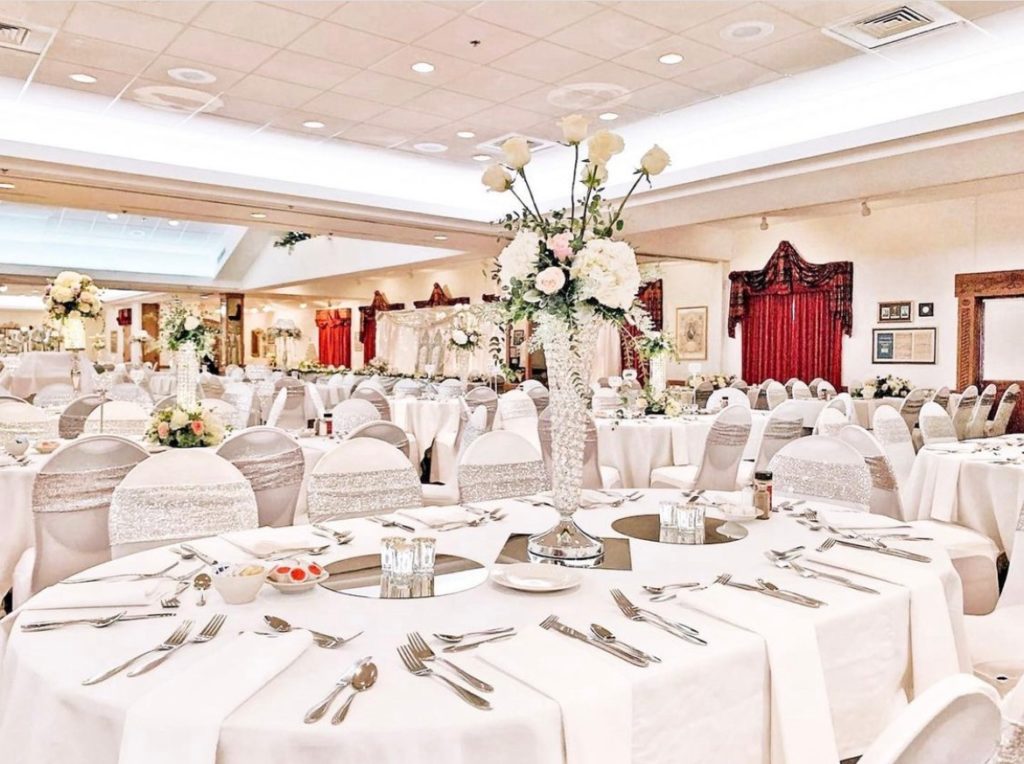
(536, 577)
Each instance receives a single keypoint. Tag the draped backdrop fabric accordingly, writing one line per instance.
(335, 336)
(368, 323)
(650, 297)
(794, 315)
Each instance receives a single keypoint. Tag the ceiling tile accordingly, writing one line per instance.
(305, 70)
(445, 103)
(695, 56)
(172, 10)
(345, 107)
(381, 87)
(608, 34)
(373, 135)
(344, 45)
(484, 82)
(46, 14)
(627, 114)
(86, 51)
(161, 97)
(259, 23)
(292, 122)
(538, 19)
(821, 14)
(246, 110)
(158, 69)
(506, 118)
(405, 119)
(446, 68)
(544, 61)
(806, 51)
(666, 96)
(320, 10)
(784, 25)
(16, 63)
(976, 9)
(675, 16)
(59, 72)
(214, 48)
(728, 76)
(403, 21)
(106, 22)
(456, 37)
(630, 79)
(276, 92)
(537, 101)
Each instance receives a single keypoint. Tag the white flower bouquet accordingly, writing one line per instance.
(141, 337)
(72, 295)
(465, 334)
(718, 381)
(376, 365)
(181, 325)
(284, 328)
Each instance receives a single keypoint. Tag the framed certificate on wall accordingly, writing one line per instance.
(903, 345)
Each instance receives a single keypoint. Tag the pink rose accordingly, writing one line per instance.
(550, 280)
(560, 246)
(163, 430)
(197, 427)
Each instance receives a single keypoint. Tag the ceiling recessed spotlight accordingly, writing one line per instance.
(423, 67)
(608, 116)
(302, 305)
(481, 157)
(3, 287)
(466, 134)
(85, 79)
(745, 31)
(191, 75)
(430, 148)
(440, 237)
(112, 216)
(6, 185)
(173, 222)
(258, 215)
(313, 124)
(671, 59)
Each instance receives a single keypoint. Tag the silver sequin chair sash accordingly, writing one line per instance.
(71, 425)
(345, 423)
(481, 482)
(882, 476)
(154, 513)
(728, 434)
(266, 471)
(783, 429)
(841, 482)
(359, 494)
(77, 491)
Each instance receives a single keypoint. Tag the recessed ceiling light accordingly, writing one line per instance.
(313, 124)
(112, 216)
(302, 305)
(423, 67)
(608, 116)
(191, 75)
(174, 222)
(744, 31)
(6, 185)
(440, 237)
(430, 147)
(258, 215)
(466, 134)
(85, 79)
(3, 287)
(671, 59)
(481, 157)
(266, 308)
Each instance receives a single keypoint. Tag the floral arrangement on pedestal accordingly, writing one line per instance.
(181, 427)
(883, 387)
(284, 329)
(718, 381)
(315, 367)
(376, 365)
(184, 333)
(98, 342)
(564, 272)
(72, 295)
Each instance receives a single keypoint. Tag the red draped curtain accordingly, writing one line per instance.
(650, 296)
(368, 323)
(794, 315)
(335, 336)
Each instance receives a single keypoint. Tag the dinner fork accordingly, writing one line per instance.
(391, 524)
(209, 631)
(173, 601)
(831, 541)
(797, 599)
(422, 651)
(418, 668)
(633, 613)
(176, 639)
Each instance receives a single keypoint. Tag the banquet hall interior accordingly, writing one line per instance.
(684, 330)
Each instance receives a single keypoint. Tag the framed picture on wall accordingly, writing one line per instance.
(926, 309)
(895, 312)
(903, 345)
(518, 337)
(113, 342)
(692, 333)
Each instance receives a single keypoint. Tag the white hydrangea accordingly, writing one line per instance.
(519, 259)
(607, 272)
(179, 419)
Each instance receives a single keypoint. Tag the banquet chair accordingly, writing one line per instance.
(910, 407)
(71, 498)
(595, 475)
(161, 383)
(288, 411)
(125, 418)
(702, 393)
(830, 421)
(801, 392)
(272, 461)
(221, 408)
(844, 402)
(72, 419)
(242, 397)
(978, 422)
(375, 396)
(314, 397)
(389, 432)
(408, 388)
(605, 401)
(891, 431)
(936, 425)
(499, 465)
(756, 397)
(1007, 404)
(822, 467)
(973, 554)
(826, 390)
(486, 397)
(813, 386)
(177, 495)
(775, 394)
(11, 399)
(448, 449)
(720, 464)
(21, 418)
(285, 381)
(386, 384)
(789, 386)
(211, 386)
(528, 384)
(955, 721)
(733, 396)
(942, 397)
(167, 402)
(349, 414)
(540, 397)
(785, 424)
(739, 384)
(518, 414)
(360, 478)
(964, 411)
(57, 394)
(451, 388)
(129, 391)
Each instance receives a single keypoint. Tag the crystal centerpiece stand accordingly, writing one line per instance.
(186, 375)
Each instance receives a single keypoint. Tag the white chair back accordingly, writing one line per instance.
(352, 413)
(979, 417)
(71, 501)
(739, 384)
(844, 402)
(241, 396)
(800, 391)
(702, 394)
(826, 390)
(605, 401)
(1007, 404)
(486, 397)
(316, 399)
(830, 421)
(221, 408)
(519, 415)
(822, 467)
(528, 384)
(359, 478)
(72, 419)
(368, 392)
(272, 461)
(789, 386)
(21, 418)
(389, 432)
(785, 424)
(813, 386)
(125, 418)
(450, 388)
(936, 424)
(180, 494)
(723, 450)
(965, 411)
(408, 388)
(283, 381)
(168, 402)
(732, 395)
(942, 397)
(211, 386)
(591, 463)
(127, 391)
(885, 491)
(57, 394)
(288, 411)
(540, 397)
(775, 393)
(472, 424)
(910, 407)
(891, 431)
(498, 465)
(161, 383)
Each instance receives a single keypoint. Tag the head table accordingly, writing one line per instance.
(825, 680)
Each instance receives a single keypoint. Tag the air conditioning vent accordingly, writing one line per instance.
(894, 24)
(493, 146)
(24, 38)
(12, 36)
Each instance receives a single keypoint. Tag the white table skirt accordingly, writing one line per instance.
(18, 532)
(36, 370)
(425, 419)
(700, 705)
(864, 410)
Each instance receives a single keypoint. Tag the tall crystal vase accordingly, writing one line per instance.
(570, 355)
(73, 335)
(282, 353)
(186, 375)
(659, 373)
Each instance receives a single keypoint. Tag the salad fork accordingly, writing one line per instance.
(633, 613)
(831, 541)
(174, 640)
(418, 668)
(422, 650)
(209, 631)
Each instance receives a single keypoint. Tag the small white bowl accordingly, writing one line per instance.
(238, 589)
(46, 446)
(290, 587)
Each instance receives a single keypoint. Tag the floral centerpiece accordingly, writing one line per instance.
(718, 381)
(99, 342)
(657, 348)
(376, 365)
(283, 330)
(72, 295)
(883, 387)
(181, 427)
(184, 333)
(564, 271)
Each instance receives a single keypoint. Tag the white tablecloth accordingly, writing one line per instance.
(864, 410)
(36, 370)
(702, 704)
(810, 410)
(425, 419)
(16, 515)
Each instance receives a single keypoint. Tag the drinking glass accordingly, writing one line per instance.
(667, 514)
(423, 554)
(690, 517)
(389, 546)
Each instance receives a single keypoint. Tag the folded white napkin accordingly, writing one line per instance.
(185, 712)
(597, 714)
(438, 517)
(268, 540)
(801, 720)
(99, 594)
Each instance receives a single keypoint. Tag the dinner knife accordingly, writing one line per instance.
(571, 632)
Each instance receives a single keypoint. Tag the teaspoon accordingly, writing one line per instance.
(605, 635)
(363, 680)
(459, 637)
(201, 583)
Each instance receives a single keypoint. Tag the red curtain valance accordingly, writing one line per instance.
(440, 299)
(368, 322)
(788, 273)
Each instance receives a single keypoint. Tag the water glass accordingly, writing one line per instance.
(690, 517)
(667, 513)
(423, 554)
(393, 551)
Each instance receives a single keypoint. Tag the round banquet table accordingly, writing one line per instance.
(424, 418)
(38, 369)
(847, 664)
(865, 408)
(975, 488)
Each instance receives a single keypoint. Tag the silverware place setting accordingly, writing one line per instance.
(207, 633)
(425, 653)
(123, 576)
(317, 712)
(552, 623)
(675, 628)
(878, 548)
(456, 638)
(97, 623)
(416, 667)
(390, 523)
(461, 648)
(608, 637)
(769, 589)
(339, 537)
(781, 561)
(328, 641)
(175, 639)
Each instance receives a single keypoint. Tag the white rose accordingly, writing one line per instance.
(74, 314)
(191, 323)
(594, 175)
(460, 337)
(655, 160)
(607, 272)
(574, 128)
(550, 280)
(68, 279)
(519, 258)
(603, 145)
(517, 152)
(179, 419)
(61, 294)
(496, 179)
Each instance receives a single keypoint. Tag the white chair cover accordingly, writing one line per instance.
(168, 402)
(910, 407)
(775, 394)
(826, 390)
(368, 392)
(362, 477)
(800, 391)
(720, 464)
(283, 381)
(734, 396)
(789, 385)
(352, 413)
(72, 419)
(272, 461)
(211, 386)
(605, 401)
(408, 388)
(942, 397)
(844, 402)
(450, 388)
(20, 418)
(501, 464)
(785, 424)
(161, 384)
(885, 495)
(830, 421)
(540, 397)
(389, 432)
(289, 409)
(591, 464)
(180, 494)
(1007, 404)
(979, 418)
(822, 467)
(891, 431)
(739, 384)
(57, 394)
(127, 391)
(519, 415)
(316, 399)
(936, 424)
(702, 393)
(257, 371)
(813, 386)
(125, 418)
(449, 445)
(528, 384)
(488, 398)
(965, 411)
(221, 408)
(11, 398)
(241, 397)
